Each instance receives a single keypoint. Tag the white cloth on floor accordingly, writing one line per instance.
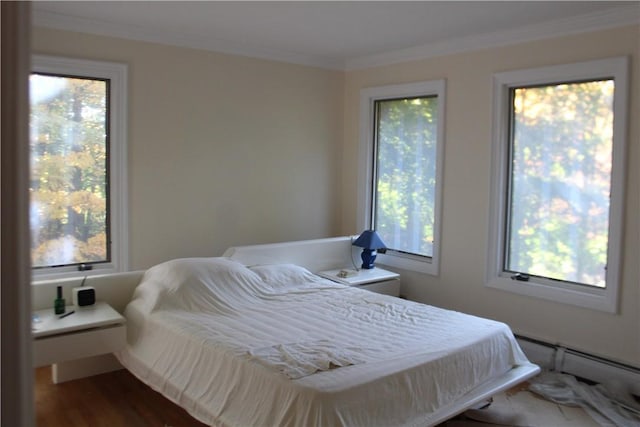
(596, 400)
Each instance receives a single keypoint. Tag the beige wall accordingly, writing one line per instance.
(226, 150)
(467, 166)
(223, 150)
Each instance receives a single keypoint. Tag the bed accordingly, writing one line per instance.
(255, 338)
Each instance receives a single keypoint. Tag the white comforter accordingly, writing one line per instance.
(276, 345)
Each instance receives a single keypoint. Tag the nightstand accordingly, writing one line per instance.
(374, 280)
(90, 331)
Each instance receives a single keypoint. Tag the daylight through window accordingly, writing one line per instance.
(404, 200)
(400, 176)
(560, 181)
(69, 148)
(557, 182)
(77, 166)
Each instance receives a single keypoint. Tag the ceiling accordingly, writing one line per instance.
(336, 35)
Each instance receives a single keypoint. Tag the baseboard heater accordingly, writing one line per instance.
(579, 364)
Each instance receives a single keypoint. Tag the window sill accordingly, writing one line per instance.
(72, 273)
(428, 266)
(576, 295)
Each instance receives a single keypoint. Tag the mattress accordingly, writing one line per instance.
(277, 345)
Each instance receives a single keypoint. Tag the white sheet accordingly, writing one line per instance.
(200, 331)
(299, 359)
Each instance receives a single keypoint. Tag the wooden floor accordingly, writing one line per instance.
(109, 400)
(119, 399)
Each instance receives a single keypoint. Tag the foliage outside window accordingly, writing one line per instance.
(404, 202)
(556, 224)
(561, 181)
(402, 137)
(69, 146)
(77, 146)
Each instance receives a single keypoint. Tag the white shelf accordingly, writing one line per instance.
(46, 323)
(375, 280)
(90, 331)
(361, 277)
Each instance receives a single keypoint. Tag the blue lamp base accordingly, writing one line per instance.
(368, 258)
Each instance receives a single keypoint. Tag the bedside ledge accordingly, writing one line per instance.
(78, 345)
(375, 280)
(85, 332)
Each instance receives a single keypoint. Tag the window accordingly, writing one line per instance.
(78, 167)
(557, 185)
(402, 131)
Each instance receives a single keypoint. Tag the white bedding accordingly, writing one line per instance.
(276, 345)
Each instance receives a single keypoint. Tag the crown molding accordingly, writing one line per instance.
(615, 17)
(59, 21)
(611, 18)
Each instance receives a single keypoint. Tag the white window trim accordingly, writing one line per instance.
(117, 74)
(602, 299)
(368, 97)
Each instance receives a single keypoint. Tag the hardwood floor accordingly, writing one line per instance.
(113, 399)
(118, 399)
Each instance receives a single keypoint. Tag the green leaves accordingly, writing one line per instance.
(561, 180)
(406, 171)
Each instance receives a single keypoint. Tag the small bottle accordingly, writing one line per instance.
(58, 303)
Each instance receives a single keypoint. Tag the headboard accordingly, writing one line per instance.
(117, 289)
(315, 255)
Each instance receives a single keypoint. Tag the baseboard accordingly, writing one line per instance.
(580, 364)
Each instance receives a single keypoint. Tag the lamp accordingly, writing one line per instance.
(370, 242)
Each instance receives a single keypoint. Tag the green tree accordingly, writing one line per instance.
(561, 167)
(406, 173)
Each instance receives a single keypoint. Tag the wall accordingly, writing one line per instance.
(223, 150)
(226, 150)
(467, 166)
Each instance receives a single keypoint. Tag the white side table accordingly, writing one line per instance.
(90, 331)
(374, 280)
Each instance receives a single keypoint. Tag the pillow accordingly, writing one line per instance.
(196, 283)
(284, 275)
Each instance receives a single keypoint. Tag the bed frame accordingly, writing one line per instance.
(315, 255)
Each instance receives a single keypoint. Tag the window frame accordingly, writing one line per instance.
(602, 299)
(366, 167)
(116, 75)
